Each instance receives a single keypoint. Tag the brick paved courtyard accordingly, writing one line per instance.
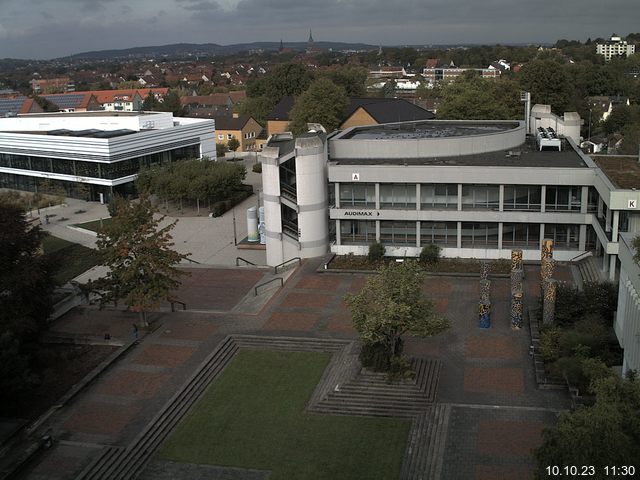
(497, 410)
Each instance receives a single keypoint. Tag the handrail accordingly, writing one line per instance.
(255, 289)
(586, 254)
(192, 261)
(275, 269)
(244, 260)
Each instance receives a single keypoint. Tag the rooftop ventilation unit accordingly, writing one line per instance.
(548, 138)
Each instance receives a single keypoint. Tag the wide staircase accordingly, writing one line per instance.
(371, 394)
(589, 270)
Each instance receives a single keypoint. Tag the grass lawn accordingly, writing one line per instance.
(253, 417)
(94, 225)
(71, 258)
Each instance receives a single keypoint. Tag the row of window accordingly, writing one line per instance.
(474, 197)
(108, 171)
(445, 234)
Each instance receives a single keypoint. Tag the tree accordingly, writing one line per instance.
(323, 102)
(26, 282)
(257, 107)
(221, 149)
(150, 103)
(352, 78)
(288, 79)
(605, 434)
(171, 103)
(471, 97)
(139, 254)
(233, 144)
(392, 304)
(549, 84)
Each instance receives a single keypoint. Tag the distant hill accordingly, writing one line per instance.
(211, 49)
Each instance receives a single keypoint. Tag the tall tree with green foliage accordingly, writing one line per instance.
(323, 102)
(150, 103)
(602, 435)
(549, 84)
(288, 79)
(138, 252)
(392, 304)
(471, 97)
(352, 78)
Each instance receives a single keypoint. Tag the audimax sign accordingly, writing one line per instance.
(361, 213)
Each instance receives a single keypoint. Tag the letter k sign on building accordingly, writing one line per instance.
(355, 177)
(632, 203)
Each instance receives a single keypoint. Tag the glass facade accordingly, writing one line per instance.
(563, 199)
(108, 171)
(357, 232)
(359, 195)
(565, 236)
(522, 197)
(444, 234)
(479, 235)
(398, 195)
(439, 196)
(480, 197)
(397, 232)
(525, 235)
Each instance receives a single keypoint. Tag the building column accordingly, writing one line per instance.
(612, 267)
(378, 207)
(418, 206)
(541, 235)
(600, 206)
(584, 200)
(582, 238)
(336, 194)
(607, 221)
(500, 235)
(543, 199)
(418, 233)
(605, 260)
(615, 225)
(459, 199)
(501, 207)
(338, 233)
(377, 230)
(459, 235)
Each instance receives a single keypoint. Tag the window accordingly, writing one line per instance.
(480, 235)
(398, 233)
(564, 236)
(439, 196)
(444, 234)
(220, 136)
(521, 235)
(357, 232)
(361, 195)
(522, 197)
(398, 195)
(563, 198)
(229, 136)
(480, 197)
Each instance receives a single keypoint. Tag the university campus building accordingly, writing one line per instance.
(478, 189)
(95, 154)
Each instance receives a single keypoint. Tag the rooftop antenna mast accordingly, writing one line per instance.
(526, 98)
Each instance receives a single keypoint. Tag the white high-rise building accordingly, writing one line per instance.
(615, 47)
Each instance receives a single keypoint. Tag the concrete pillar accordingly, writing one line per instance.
(501, 199)
(338, 233)
(377, 230)
(459, 232)
(549, 302)
(614, 226)
(605, 260)
(582, 238)
(418, 206)
(584, 200)
(543, 198)
(336, 194)
(612, 267)
(418, 233)
(271, 202)
(607, 221)
(459, 199)
(600, 206)
(500, 236)
(541, 235)
(377, 196)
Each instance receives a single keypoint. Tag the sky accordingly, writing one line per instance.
(43, 29)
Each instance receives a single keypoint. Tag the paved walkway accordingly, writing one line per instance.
(497, 413)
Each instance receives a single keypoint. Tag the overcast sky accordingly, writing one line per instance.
(53, 28)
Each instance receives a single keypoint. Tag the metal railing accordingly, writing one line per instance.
(255, 289)
(247, 262)
(283, 264)
(582, 256)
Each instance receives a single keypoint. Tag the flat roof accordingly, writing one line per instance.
(88, 133)
(90, 113)
(428, 129)
(527, 155)
(623, 171)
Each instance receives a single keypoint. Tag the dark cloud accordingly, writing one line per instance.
(66, 26)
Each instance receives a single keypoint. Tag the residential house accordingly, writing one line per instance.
(74, 102)
(360, 111)
(119, 100)
(12, 106)
(243, 128)
(615, 47)
(605, 105)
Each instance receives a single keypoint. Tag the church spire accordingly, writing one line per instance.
(310, 37)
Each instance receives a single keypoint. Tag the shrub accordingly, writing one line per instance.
(257, 167)
(376, 251)
(430, 253)
(549, 344)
